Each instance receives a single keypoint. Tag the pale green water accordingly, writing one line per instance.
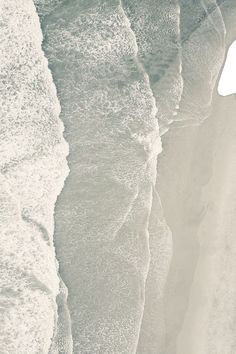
(120, 70)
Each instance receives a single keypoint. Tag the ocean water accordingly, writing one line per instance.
(203, 50)
(157, 30)
(33, 168)
(110, 117)
(87, 258)
(119, 71)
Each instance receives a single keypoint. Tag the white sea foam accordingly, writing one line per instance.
(111, 126)
(203, 48)
(156, 27)
(108, 63)
(33, 168)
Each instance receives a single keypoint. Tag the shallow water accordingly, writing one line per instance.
(33, 168)
(110, 118)
(139, 264)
